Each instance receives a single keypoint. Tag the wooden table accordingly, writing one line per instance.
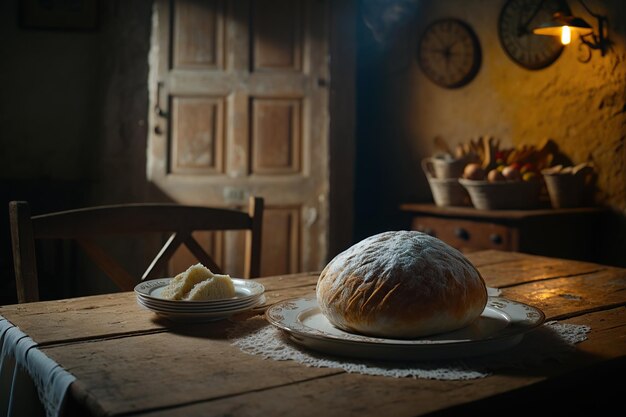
(128, 363)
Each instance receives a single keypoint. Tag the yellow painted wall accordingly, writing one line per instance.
(581, 106)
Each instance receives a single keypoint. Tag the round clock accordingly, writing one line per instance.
(449, 53)
(515, 24)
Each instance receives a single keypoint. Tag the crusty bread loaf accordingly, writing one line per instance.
(401, 284)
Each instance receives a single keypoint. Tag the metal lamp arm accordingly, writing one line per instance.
(600, 40)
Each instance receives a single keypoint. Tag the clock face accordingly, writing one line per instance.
(517, 19)
(448, 53)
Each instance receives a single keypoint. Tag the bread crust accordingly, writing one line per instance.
(401, 284)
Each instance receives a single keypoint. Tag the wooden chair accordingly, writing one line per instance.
(85, 224)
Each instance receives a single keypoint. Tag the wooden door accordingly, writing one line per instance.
(240, 100)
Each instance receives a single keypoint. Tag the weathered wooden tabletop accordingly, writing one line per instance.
(128, 362)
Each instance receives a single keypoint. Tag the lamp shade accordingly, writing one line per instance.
(553, 28)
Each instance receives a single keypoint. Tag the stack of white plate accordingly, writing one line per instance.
(249, 294)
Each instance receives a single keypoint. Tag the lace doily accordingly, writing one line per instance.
(552, 340)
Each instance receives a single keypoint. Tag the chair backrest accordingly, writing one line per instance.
(85, 224)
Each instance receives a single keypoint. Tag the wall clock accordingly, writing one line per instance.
(515, 24)
(448, 53)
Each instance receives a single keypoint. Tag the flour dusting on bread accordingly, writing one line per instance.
(401, 284)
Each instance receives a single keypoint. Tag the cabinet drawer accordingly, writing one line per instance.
(467, 235)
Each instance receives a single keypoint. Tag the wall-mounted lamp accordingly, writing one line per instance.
(565, 25)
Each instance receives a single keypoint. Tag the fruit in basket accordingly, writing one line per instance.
(527, 167)
(474, 171)
(487, 152)
(530, 176)
(511, 173)
(495, 175)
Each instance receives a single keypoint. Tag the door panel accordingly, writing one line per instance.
(197, 135)
(276, 36)
(240, 110)
(198, 34)
(276, 136)
(281, 249)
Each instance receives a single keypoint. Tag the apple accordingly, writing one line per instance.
(495, 175)
(474, 171)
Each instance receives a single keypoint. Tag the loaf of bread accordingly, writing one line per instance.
(199, 283)
(401, 284)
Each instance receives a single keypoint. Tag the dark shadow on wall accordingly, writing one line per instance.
(74, 127)
(43, 196)
(382, 32)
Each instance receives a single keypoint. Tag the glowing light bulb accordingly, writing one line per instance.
(566, 35)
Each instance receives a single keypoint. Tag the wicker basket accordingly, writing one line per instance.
(441, 168)
(570, 190)
(446, 192)
(503, 195)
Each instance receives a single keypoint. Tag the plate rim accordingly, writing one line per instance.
(404, 343)
(186, 308)
(208, 314)
(257, 287)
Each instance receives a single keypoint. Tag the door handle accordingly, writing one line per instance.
(157, 107)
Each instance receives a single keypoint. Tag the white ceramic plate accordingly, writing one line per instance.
(201, 316)
(245, 290)
(501, 325)
(181, 305)
(191, 308)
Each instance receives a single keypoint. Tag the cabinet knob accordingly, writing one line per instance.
(496, 238)
(461, 233)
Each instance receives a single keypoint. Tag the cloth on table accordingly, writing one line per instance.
(30, 382)
(552, 340)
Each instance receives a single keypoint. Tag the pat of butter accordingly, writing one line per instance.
(199, 283)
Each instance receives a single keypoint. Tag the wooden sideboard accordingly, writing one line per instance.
(565, 233)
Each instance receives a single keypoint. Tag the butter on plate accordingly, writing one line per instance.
(199, 283)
